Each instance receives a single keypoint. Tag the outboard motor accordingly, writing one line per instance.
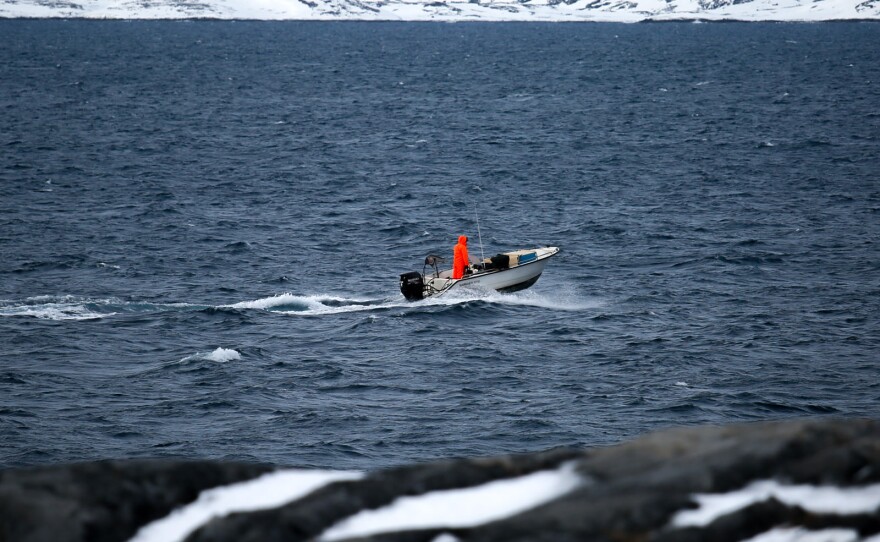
(412, 286)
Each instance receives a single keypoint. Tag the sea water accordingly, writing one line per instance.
(202, 225)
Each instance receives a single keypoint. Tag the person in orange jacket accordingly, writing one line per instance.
(460, 258)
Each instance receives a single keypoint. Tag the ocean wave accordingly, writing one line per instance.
(219, 355)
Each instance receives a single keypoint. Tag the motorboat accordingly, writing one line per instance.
(504, 272)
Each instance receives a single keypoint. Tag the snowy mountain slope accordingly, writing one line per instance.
(450, 10)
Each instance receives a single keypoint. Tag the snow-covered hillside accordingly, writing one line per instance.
(450, 10)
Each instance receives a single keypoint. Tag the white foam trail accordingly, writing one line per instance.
(816, 499)
(534, 299)
(325, 310)
(69, 307)
(71, 312)
(270, 302)
(268, 491)
(311, 305)
(78, 308)
(466, 507)
(563, 301)
(56, 308)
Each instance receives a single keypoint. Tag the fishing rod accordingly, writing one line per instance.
(479, 235)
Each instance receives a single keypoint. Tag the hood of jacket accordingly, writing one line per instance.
(462, 239)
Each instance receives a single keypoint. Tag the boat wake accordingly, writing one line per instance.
(314, 305)
(58, 308)
(288, 303)
(69, 307)
(560, 300)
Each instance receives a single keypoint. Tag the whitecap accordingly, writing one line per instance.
(219, 355)
(222, 355)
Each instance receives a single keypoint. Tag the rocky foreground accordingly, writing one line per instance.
(626, 11)
(790, 480)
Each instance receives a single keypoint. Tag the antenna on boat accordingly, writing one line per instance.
(479, 235)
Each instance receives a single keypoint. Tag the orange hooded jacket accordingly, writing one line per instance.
(460, 257)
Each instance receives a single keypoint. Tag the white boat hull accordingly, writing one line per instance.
(517, 276)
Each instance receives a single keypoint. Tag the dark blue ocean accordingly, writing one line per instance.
(202, 226)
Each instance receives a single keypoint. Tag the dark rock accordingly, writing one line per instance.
(310, 516)
(639, 486)
(631, 492)
(763, 516)
(104, 501)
